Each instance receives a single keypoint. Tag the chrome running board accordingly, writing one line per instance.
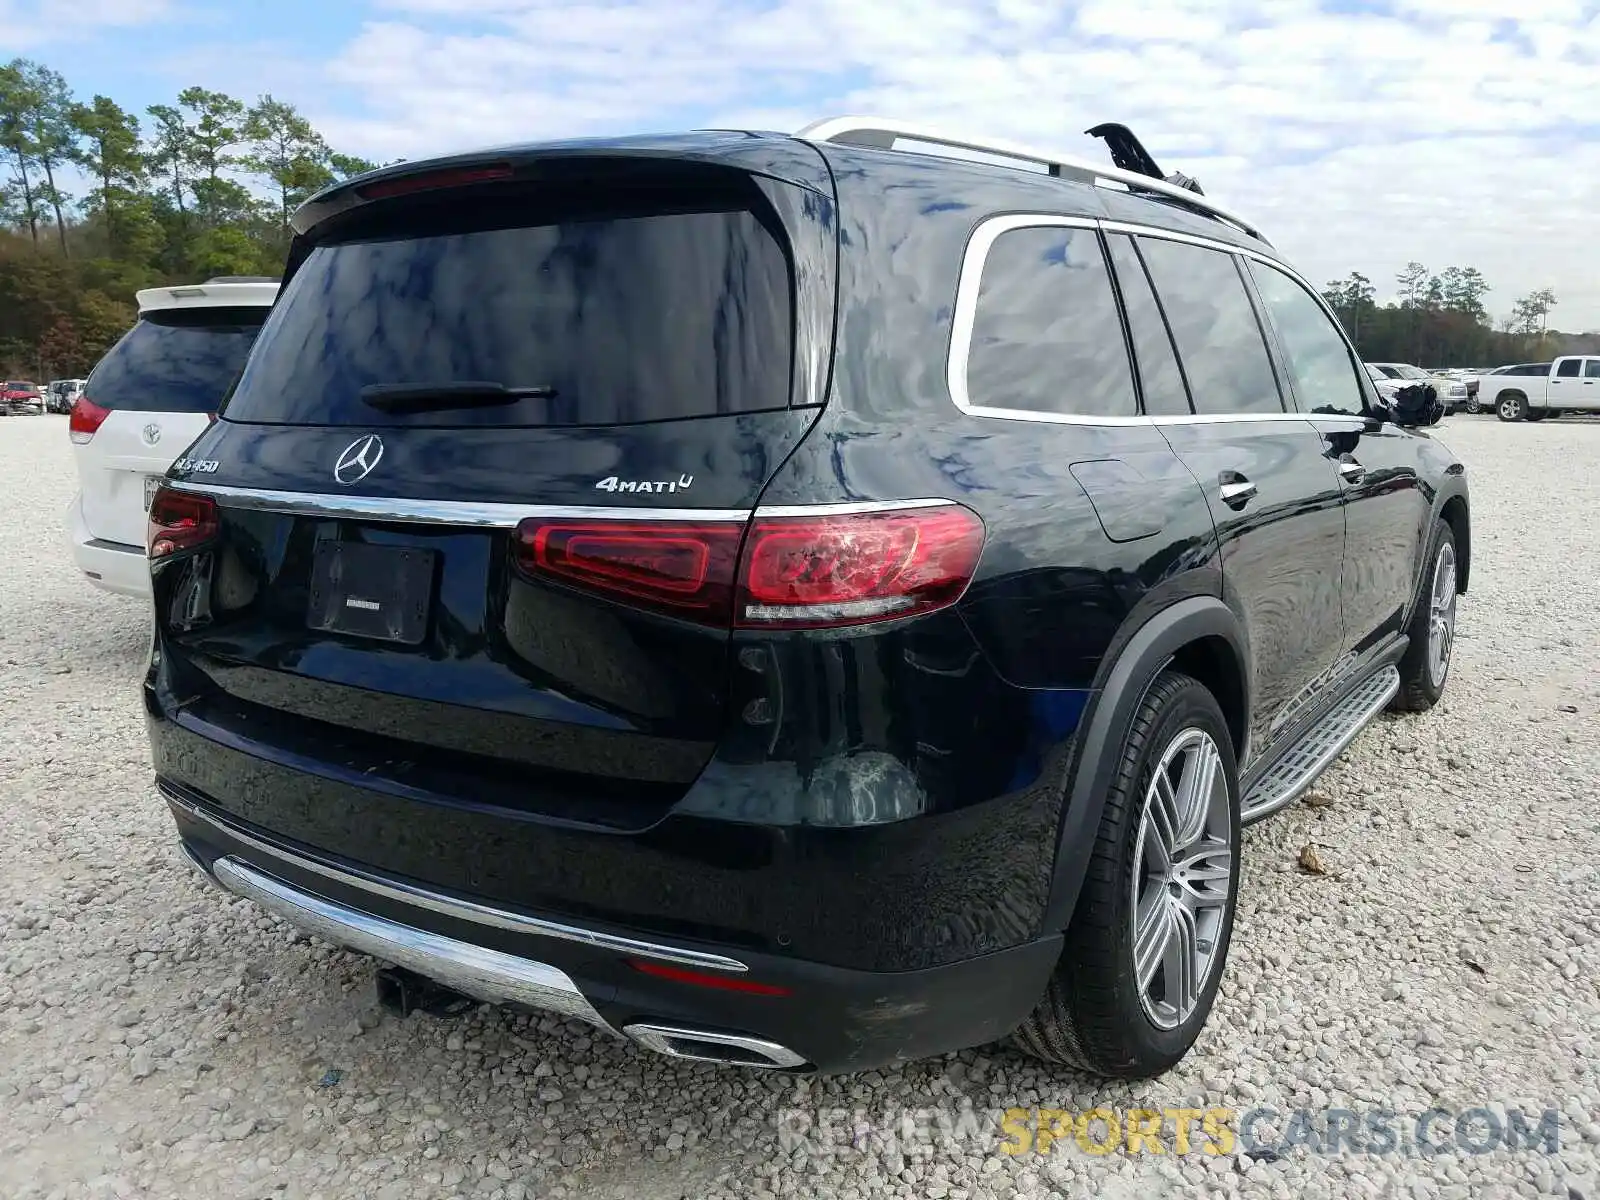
(1292, 773)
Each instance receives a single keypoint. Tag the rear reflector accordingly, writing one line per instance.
(795, 572)
(86, 417)
(431, 180)
(180, 521)
(727, 983)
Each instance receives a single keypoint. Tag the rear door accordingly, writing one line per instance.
(1273, 493)
(161, 382)
(594, 373)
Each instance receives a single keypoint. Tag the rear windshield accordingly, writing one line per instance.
(654, 310)
(176, 360)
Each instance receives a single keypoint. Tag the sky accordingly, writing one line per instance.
(1359, 136)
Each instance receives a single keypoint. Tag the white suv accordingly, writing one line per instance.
(152, 394)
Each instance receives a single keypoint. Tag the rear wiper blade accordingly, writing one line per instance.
(437, 397)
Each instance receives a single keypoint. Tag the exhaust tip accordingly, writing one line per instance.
(704, 1045)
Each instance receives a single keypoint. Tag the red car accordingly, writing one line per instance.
(20, 394)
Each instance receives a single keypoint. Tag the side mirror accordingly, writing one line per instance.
(1413, 407)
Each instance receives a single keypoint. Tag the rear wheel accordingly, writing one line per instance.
(1145, 950)
(1539, 414)
(1512, 406)
(1426, 665)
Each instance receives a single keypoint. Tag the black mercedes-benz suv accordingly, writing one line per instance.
(798, 601)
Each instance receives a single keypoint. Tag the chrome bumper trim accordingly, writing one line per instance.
(456, 907)
(486, 975)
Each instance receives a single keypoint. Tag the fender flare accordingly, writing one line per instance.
(1452, 488)
(1104, 728)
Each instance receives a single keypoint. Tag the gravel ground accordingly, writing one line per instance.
(158, 1039)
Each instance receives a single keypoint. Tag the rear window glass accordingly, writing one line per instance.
(647, 312)
(176, 360)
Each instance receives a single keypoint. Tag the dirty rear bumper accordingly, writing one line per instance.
(828, 1018)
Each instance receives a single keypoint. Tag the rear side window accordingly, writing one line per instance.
(649, 309)
(1215, 327)
(1164, 393)
(1324, 373)
(176, 360)
(1569, 368)
(1591, 368)
(1046, 335)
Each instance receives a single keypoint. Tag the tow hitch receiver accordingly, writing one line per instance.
(404, 992)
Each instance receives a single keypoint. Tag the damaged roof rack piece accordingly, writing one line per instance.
(884, 133)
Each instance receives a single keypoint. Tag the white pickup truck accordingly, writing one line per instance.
(1533, 391)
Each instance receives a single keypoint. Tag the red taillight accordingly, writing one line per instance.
(180, 521)
(795, 572)
(727, 983)
(86, 417)
(679, 567)
(430, 180)
(840, 570)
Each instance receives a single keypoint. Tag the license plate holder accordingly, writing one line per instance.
(151, 483)
(369, 591)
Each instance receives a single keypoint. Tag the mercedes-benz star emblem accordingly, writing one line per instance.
(152, 434)
(358, 459)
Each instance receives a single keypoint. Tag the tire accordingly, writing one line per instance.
(1511, 406)
(1422, 673)
(1472, 406)
(1539, 414)
(1095, 1015)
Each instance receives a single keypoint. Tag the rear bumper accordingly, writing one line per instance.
(805, 1015)
(110, 566)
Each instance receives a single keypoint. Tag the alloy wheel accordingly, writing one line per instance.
(1442, 615)
(1182, 879)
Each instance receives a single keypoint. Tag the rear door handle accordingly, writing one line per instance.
(1351, 471)
(1237, 491)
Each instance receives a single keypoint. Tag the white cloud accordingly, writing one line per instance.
(24, 25)
(1446, 131)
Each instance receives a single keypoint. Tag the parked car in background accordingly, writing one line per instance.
(61, 394)
(703, 609)
(1534, 391)
(151, 395)
(1452, 392)
(20, 396)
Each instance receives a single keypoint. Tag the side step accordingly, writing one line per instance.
(1300, 765)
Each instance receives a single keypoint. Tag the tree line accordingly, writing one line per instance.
(97, 202)
(1440, 320)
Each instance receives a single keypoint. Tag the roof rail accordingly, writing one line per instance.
(881, 134)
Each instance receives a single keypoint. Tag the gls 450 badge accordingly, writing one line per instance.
(197, 466)
(612, 484)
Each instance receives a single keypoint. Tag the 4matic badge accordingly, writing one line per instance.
(612, 484)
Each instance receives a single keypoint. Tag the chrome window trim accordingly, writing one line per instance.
(965, 314)
(471, 513)
(456, 907)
